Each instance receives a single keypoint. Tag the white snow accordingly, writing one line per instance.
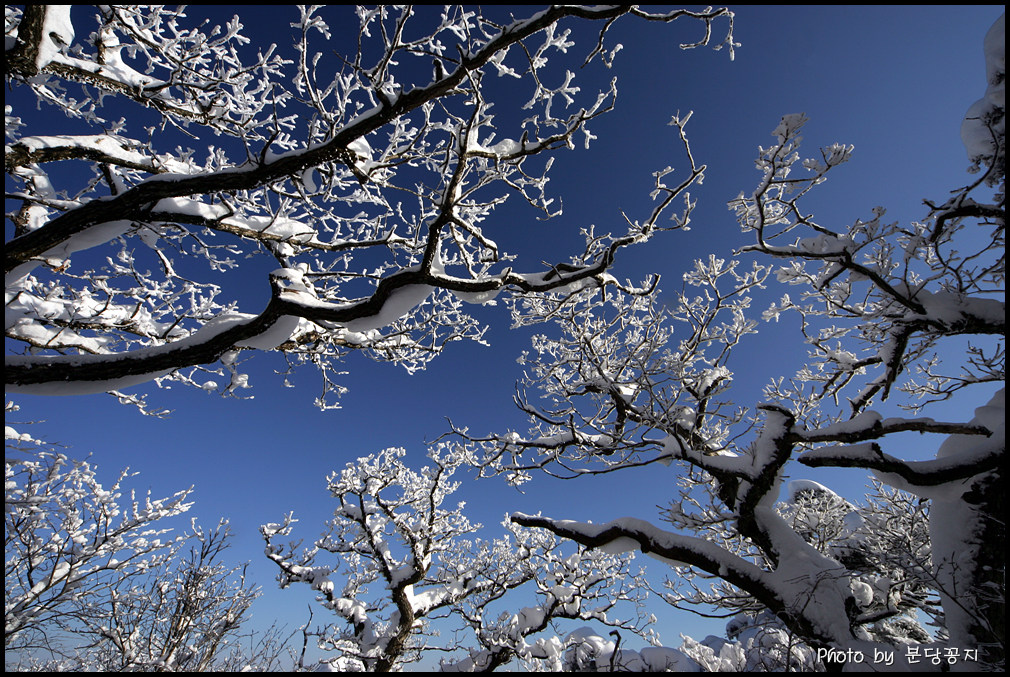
(281, 331)
(399, 304)
(956, 525)
(795, 487)
(975, 134)
(57, 34)
(862, 592)
(484, 298)
(620, 545)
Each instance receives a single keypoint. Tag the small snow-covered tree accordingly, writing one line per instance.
(68, 542)
(893, 313)
(364, 184)
(402, 559)
(186, 615)
(93, 583)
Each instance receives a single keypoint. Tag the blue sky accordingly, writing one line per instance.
(893, 81)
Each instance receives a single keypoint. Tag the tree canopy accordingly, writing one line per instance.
(366, 181)
(201, 200)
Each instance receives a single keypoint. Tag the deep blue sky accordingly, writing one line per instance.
(893, 81)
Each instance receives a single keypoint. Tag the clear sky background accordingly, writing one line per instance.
(893, 81)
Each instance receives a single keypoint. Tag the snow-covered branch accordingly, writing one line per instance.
(891, 293)
(93, 582)
(367, 185)
(68, 540)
